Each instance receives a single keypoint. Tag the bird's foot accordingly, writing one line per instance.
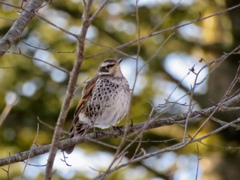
(97, 133)
(118, 128)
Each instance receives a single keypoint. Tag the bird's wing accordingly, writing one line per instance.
(76, 127)
(86, 95)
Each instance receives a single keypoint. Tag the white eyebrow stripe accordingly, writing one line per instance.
(107, 63)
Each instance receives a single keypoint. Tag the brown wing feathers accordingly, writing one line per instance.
(77, 128)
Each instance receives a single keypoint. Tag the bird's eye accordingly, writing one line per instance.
(109, 66)
(106, 68)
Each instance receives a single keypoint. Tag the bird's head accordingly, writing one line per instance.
(110, 67)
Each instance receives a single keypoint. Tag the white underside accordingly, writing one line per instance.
(111, 113)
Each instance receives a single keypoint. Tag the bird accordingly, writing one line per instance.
(105, 100)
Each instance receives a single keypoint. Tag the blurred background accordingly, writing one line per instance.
(37, 89)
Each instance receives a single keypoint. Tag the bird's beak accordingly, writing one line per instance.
(119, 61)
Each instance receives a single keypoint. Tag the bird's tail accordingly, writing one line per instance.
(77, 129)
(69, 149)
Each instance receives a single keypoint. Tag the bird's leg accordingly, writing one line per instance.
(96, 132)
(119, 129)
(131, 125)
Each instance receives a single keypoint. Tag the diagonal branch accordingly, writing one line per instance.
(167, 149)
(70, 89)
(19, 25)
(153, 34)
(132, 129)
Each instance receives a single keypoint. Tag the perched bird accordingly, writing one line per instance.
(105, 100)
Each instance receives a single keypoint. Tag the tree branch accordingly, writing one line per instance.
(70, 89)
(153, 34)
(19, 25)
(131, 130)
(167, 149)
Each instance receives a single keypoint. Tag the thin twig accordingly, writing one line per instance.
(8, 108)
(168, 149)
(115, 133)
(229, 90)
(34, 142)
(39, 60)
(198, 161)
(98, 11)
(163, 31)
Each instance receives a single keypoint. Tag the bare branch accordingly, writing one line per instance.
(198, 161)
(34, 142)
(8, 170)
(227, 94)
(152, 34)
(98, 11)
(39, 60)
(168, 149)
(7, 108)
(48, 49)
(56, 26)
(131, 129)
(70, 89)
(19, 25)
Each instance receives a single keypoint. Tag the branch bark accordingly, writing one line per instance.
(19, 25)
(132, 129)
(153, 34)
(70, 89)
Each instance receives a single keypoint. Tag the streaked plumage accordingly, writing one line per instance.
(105, 100)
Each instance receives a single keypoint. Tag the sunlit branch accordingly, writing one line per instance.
(39, 60)
(7, 109)
(19, 25)
(220, 104)
(56, 26)
(34, 142)
(131, 129)
(169, 149)
(70, 89)
(48, 49)
(153, 34)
